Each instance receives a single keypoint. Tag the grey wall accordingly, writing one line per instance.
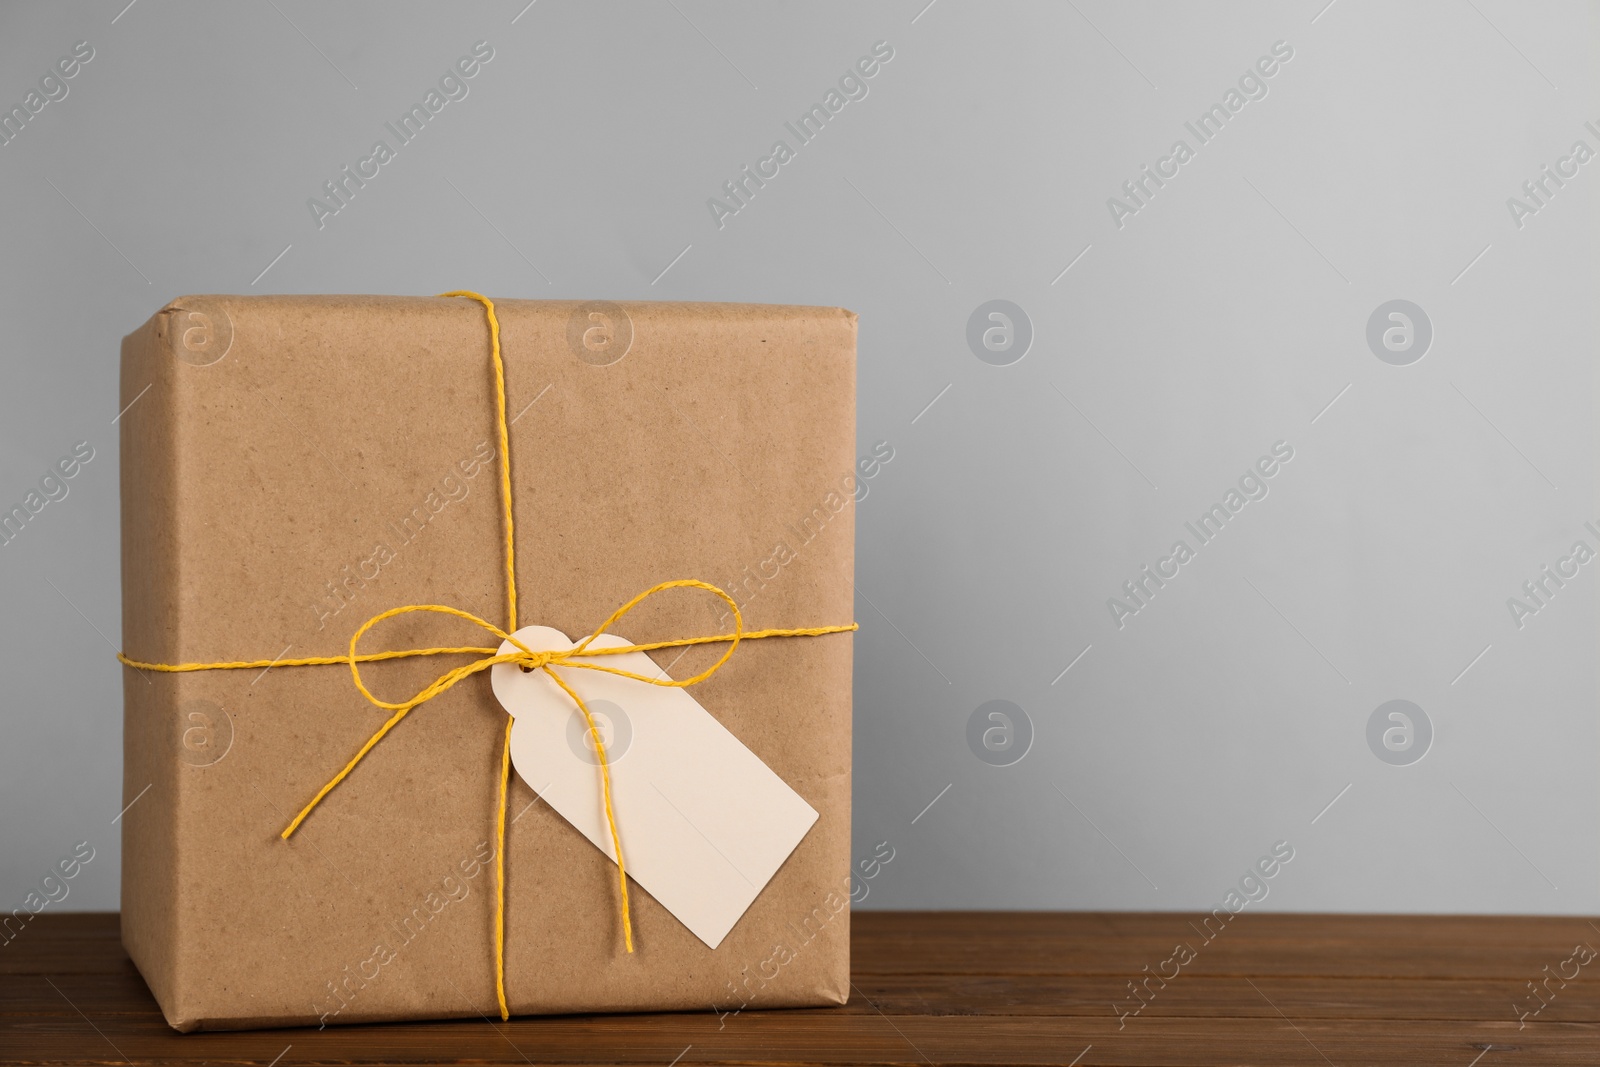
(1173, 346)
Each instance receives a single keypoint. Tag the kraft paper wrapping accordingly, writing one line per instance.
(292, 466)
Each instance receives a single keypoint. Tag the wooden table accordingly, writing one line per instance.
(950, 987)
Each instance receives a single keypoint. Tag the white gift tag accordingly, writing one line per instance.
(704, 823)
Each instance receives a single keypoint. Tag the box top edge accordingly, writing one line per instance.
(359, 299)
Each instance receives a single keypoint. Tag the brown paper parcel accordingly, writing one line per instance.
(292, 466)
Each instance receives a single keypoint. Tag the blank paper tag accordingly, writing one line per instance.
(704, 823)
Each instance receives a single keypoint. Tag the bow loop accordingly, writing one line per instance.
(531, 660)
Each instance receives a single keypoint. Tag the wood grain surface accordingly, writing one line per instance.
(950, 988)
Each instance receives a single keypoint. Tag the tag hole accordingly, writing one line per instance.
(524, 668)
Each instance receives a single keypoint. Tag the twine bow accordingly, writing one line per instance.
(524, 657)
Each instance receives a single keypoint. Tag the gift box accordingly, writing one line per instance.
(295, 466)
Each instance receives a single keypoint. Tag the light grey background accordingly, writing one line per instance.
(1228, 314)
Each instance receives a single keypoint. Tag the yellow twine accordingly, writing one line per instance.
(500, 875)
(524, 657)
